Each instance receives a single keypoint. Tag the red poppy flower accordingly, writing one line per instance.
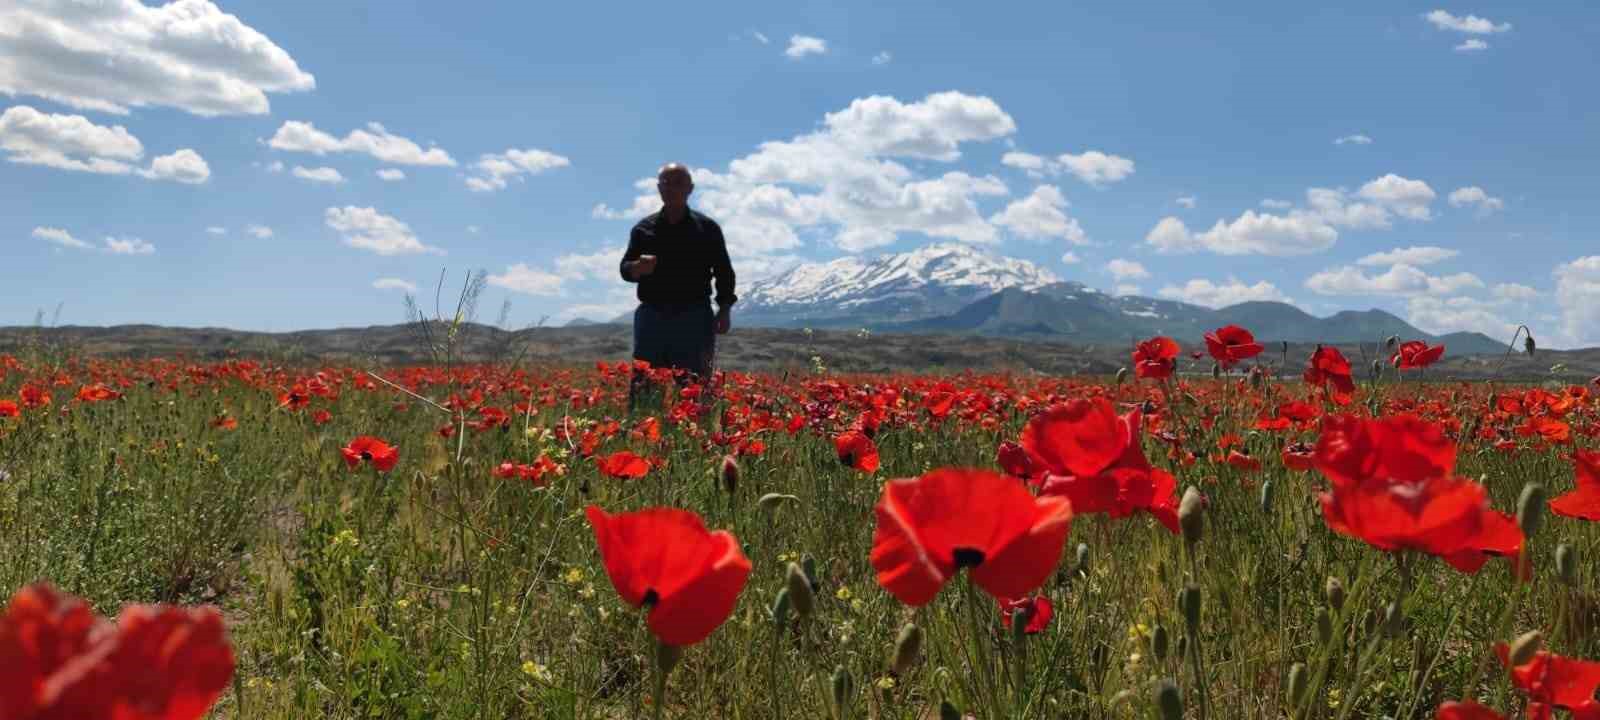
(1014, 460)
(8, 408)
(1566, 683)
(1416, 354)
(1085, 452)
(1466, 711)
(225, 422)
(1584, 501)
(856, 450)
(1230, 344)
(155, 663)
(939, 403)
(370, 449)
(1330, 371)
(622, 465)
(1039, 608)
(96, 393)
(1155, 358)
(321, 417)
(1241, 461)
(33, 397)
(664, 559)
(932, 526)
(1298, 456)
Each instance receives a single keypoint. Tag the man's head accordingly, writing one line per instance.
(674, 184)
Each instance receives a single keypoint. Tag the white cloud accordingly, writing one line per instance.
(66, 142)
(1514, 292)
(1201, 291)
(601, 264)
(128, 246)
(1471, 24)
(391, 174)
(218, 231)
(861, 239)
(1439, 315)
(1417, 255)
(1125, 290)
(1399, 280)
(323, 175)
(803, 45)
(1187, 201)
(882, 58)
(1250, 233)
(1271, 204)
(1474, 196)
(185, 166)
(1335, 207)
(261, 232)
(374, 140)
(1405, 197)
(472, 229)
(1356, 139)
(113, 55)
(1033, 164)
(1472, 45)
(1040, 216)
(1097, 168)
(493, 169)
(1122, 269)
(368, 229)
(760, 37)
(60, 237)
(931, 129)
(1578, 295)
(529, 281)
(394, 284)
(1070, 258)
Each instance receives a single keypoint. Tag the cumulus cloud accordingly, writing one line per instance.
(1249, 234)
(1121, 269)
(394, 284)
(113, 55)
(216, 230)
(1125, 290)
(1441, 315)
(1070, 258)
(374, 140)
(1514, 292)
(128, 246)
(1039, 216)
(1578, 296)
(260, 232)
(391, 174)
(882, 58)
(1418, 255)
(323, 175)
(1356, 139)
(601, 264)
(494, 169)
(527, 280)
(1405, 197)
(803, 45)
(60, 237)
(1471, 24)
(1475, 197)
(73, 143)
(1399, 280)
(368, 229)
(1472, 45)
(1187, 201)
(1201, 291)
(185, 166)
(1272, 204)
(1093, 167)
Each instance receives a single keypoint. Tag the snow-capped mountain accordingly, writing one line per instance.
(928, 281)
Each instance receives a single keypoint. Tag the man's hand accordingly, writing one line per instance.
(645, 265)
(724, 320)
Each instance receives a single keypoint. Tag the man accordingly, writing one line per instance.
(674, 256)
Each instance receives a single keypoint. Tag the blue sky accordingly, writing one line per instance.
(1435, 160)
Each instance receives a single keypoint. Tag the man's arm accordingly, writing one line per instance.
(722, 272)
(635, 249)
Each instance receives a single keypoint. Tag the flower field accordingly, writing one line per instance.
(180, 537)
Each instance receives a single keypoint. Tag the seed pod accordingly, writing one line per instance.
(1122, 375)
(843, 688)
(1158, 643)
(730, 474)
(1216, 371)
(799, 587)
(1192, 516)
(1169, 701)
(1394, 621)
(1530, 508)
(780, 608)
(1566, 564)
(1529, 345)
(809, 564)
(1298, 681)
(1189, 603)
(1183, 647)
(1267, 488)
(1525, 647)
(1324, 626)
(1081, 558)
(667, 657)
(1377, 367)
(948, 711)
(907, 647)
(1019, 623)
(1333, 591)
(1391, 341)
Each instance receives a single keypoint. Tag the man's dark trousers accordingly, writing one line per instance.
(682, 337)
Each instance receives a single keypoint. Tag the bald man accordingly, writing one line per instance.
(675, 256)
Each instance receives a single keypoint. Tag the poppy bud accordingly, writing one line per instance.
(1566, 564)
(1266, 497)
(1158, 643)
(1377, 367)
(1122, 375)
(1528, 344)
(770, 501)
(907, 647)
(1189, 603)
(948, 711)
(1530, 508)
(1081, 558)
(1334, 592)
(799, 587)
(1216, 371)
(1191, 515)
(1284, 346)
(1257, 377)
(1394, 621)
(667, 656)
(1169, 700)
(809, 564)
(1324, 626)
(1525, 647)
(1297, 683)
(843, 688)
(780, 608)
(1392, 341)
(730, 474)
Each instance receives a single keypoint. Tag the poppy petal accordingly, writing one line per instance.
(1079, 438)
(1021, 566)
(690, 614)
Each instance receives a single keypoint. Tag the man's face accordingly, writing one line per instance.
(674, 186)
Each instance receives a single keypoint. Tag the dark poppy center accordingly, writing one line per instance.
(650, 599)
(967, 557)
(366, 454)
